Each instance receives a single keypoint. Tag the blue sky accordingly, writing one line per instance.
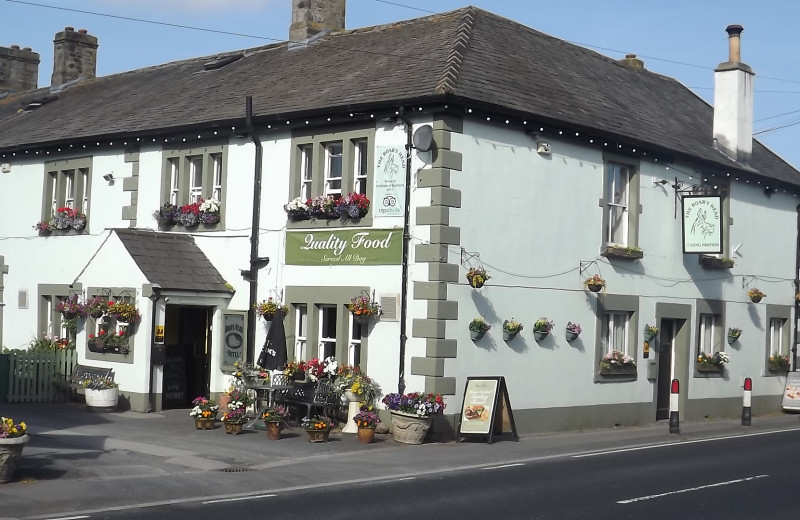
(684, 39)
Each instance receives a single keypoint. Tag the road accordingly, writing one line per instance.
(744, 476)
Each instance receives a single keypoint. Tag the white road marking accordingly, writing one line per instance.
(679, 443)
(687, 490)
(71, 517)
(504, 466)
(252, 497)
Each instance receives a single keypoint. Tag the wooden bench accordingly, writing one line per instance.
(83, 372)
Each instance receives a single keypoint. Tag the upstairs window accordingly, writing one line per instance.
(360, 172)
(333, 168)
(67, 185)
(620, 204)
(194, 174)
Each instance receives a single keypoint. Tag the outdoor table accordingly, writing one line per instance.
(264, 393)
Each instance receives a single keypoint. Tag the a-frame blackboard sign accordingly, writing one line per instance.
(486, 409)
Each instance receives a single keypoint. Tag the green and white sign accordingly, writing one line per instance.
(702, 224)
(389, 198)
(344, 247)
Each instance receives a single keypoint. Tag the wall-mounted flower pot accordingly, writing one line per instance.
(539, 335)
(649, 336)
(777, 369)
(507, 336)
(475, 335)
(572, 336)
(732, 339)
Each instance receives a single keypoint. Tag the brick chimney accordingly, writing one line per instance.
(74, 56)
(310, 17)
(733, 102)
(19, 69)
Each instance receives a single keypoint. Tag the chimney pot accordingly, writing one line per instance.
(83, 31)
(15, 46)
(68, 28)
(630, 56)
(26, 49)
(734, 43)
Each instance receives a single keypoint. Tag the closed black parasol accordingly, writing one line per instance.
(273, 355)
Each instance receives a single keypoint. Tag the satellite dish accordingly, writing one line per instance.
(423, 138)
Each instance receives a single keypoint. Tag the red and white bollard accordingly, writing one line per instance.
(674, 421)
(748, 390)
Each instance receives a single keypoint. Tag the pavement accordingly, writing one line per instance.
(137, 459)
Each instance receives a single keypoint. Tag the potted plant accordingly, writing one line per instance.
(124, 312)
(511, 328)
(267, 308)
(477, 276)
(478, 327)
(595, 283)
(541, 328)
(353, 205)
(650, 332)
(573, 331)
(101, 393)
(71, 308)
(208, 211)
(96, 306)
(318, 428)
(13, 437)
(316, 369)
(355, 386)
(412, 414)
(778, 363)
(234, 420)
(711, 362)
(166, 215)
(43, 228)
(755, 295)
(366, 421)
(297, 210)
(363, 308)
(733, 335)
(274, 417)
(617, 363)
(188, 215)
(204, 413)
(296, 370)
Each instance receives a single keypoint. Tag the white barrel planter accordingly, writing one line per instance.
(102, 400)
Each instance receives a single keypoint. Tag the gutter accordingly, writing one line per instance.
(401, 381)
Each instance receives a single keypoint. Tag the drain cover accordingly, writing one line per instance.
(232, 469)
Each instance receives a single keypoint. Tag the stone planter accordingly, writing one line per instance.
(205, 424)
(102, 400)
(410, 429)
(318, 435)
(233, 428)
(366, 435)
(10, 453)
(274, 430)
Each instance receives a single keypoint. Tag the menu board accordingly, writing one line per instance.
(791, 393)
(174, 381)
(486, 409)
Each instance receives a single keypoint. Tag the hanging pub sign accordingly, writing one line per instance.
(702, 224)
(345, 247)
(389, 198)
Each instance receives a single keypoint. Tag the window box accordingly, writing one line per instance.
(619, 371)
(777, 369)
(626, 253)
(712, 262)
(709, 368)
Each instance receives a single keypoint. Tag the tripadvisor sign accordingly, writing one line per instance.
(344, 247)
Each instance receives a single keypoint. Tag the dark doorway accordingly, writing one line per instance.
(663, 383)
(188, 356)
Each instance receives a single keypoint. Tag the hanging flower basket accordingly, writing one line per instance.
(756, 295)
(733, 335)
(477, 276)
(595, 283)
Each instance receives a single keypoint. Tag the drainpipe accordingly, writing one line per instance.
(155, 295)
(252, 274)
(796, 291)
(401, 380)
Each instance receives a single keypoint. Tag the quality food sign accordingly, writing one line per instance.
(344, 247)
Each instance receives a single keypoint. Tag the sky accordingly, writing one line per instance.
(684, 39)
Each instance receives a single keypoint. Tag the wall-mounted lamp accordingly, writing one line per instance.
(5, 167)
(108, 177)
(661, 182)
(543, 148)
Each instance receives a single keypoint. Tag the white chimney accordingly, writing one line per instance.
(733, 102)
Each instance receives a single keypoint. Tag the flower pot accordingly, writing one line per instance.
(619, 370)
(572, 336)
(410, 429)
(366, 435)
(274, 430)
(95, 345)
(362, 319)
(777, 369)
(69, 315)
(594, 287)
(351, 397)
(233, 428)
(649, 336)
(318, 435)
(205, 423)
(10, 453)
(475, 282)
(539, 335)
(102, 400)
(299, 376)
(755, 299)
(709, 367)
(509, 335)
(476, 334)
(732, 339)
(96, 314)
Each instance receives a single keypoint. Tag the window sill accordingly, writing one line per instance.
(192, 229)
(326, 223)
(712, 262)
(777, 371)
(63, 232)
(621, 374)
(625, 253)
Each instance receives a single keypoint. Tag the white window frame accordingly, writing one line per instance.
(216, 164)
(174, 181)
(332, 312)
(195, 171)
(609, 332)
(706, 322)
(69, 191)
(621, 237)
(307, 172)
(301, 332)
(776, 331)
(354, 345)
(330, 158)
(361, 169)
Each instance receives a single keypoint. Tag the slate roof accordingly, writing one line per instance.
(171, 260)
(468, 56)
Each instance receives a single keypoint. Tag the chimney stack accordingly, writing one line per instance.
(733, 102)
(74, 56)
(311, 17)
(632, 61)
(19, 69)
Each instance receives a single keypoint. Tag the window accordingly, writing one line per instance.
(192, 174)
(301, 331)
(615, 332)
(710, 333)
(620, 203)
(778, 335)
(778, 340)
(67, 184)
(335, 163)
(51, 322)
(327, 331)
(354, 348)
